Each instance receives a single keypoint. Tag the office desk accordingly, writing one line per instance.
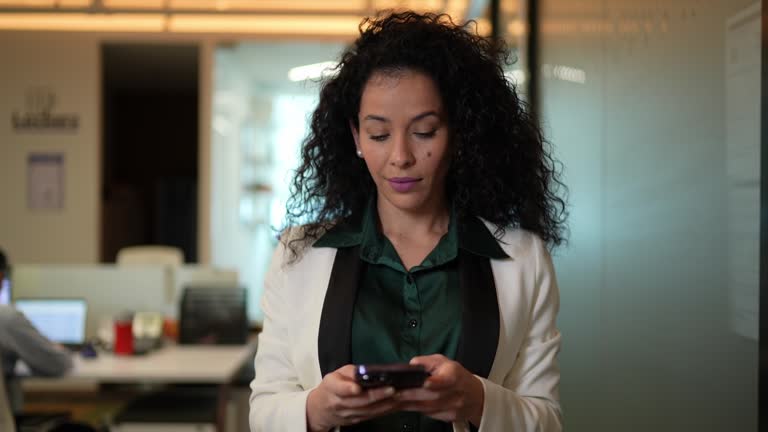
(172, 364)
(175, 364)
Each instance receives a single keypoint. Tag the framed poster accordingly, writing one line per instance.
(45, 181)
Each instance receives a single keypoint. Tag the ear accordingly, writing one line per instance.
(355, 134)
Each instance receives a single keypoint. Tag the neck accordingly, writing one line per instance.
(430, 219)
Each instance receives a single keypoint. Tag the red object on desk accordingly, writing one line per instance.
(124, 337)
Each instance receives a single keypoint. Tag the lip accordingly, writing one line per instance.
(403, 184)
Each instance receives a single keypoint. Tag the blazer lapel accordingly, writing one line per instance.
(480, 314)
(333, 341)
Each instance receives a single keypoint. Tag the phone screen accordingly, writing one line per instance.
(5, 291)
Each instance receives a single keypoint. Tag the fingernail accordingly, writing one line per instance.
(389, 391)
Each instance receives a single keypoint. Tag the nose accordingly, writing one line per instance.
(402, 154)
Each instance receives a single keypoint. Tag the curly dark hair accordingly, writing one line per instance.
(502, 169)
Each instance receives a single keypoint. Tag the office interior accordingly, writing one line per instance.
(177, 123)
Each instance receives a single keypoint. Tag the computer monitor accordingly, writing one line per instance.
(60, 320)
(5, 291)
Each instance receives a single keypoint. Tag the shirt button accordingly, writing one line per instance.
(413, 323)
(407, 427)
(409, 279)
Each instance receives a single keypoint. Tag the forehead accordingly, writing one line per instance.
(401, 92)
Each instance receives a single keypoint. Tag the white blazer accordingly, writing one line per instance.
(520, 376)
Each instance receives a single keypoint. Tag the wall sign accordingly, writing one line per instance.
(40, 116)
(45, 181)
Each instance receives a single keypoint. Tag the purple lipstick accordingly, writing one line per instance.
(403, 184)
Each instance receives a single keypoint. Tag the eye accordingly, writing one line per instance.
(429, 134)
(379, 137)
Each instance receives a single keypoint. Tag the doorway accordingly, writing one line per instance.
(149, 147)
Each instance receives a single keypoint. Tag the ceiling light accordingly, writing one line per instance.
(82, 22)
(282, 25)
(312, 71)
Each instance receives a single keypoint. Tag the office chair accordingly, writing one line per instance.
(150, 255)
(213, 315)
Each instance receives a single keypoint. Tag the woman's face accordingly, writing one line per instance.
(403, 137)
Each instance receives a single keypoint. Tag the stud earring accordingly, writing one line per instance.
(359, 154)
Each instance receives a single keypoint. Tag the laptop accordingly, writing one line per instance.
(60, 320)
(5, 291)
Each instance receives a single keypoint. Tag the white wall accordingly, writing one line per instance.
(70, 64)
(649, 342)
(70, 67)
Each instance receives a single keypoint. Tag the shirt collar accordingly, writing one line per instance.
(472, 235)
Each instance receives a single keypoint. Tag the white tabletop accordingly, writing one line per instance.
(209, 364)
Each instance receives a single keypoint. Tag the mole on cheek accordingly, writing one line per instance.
(429, 154)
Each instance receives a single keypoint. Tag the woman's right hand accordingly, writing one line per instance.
(340, 401)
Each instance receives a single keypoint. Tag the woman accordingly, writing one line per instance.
(432, 200)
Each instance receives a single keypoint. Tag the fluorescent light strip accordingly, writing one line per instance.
(270, 5)
(82, 22)
(50, 4)
(516, 28)
(419, 5)
(312, 71)
(282, 25)
(286, 25)
(481, 26)
(564, 73)
(356, 6)
(133, 4)
(28, 3)
(73, 3)
(517, 76)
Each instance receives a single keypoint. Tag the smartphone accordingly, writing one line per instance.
(397, 375)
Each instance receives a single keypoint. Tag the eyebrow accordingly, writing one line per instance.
(386, 120)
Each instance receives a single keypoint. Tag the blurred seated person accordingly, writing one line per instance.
(20, 340)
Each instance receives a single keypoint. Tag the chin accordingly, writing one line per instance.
(406, 201)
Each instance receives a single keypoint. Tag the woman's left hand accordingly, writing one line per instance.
(451, 393)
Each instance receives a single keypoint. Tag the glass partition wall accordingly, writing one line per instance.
(263, 95)
(654, 110)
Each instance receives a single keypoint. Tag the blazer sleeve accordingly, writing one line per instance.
(277, 401)
(528, 399)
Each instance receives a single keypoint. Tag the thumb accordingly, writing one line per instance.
(430, 362)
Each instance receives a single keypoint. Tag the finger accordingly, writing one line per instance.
(369, 397)
(347, 371)
(342, 386)
(444, 376)
(356, 415)
(423, 407)
(446, 416)
(419, 394)
(439, 383)
(447, 404)
(430, 362)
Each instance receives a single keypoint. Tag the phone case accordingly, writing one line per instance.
(399, 376)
